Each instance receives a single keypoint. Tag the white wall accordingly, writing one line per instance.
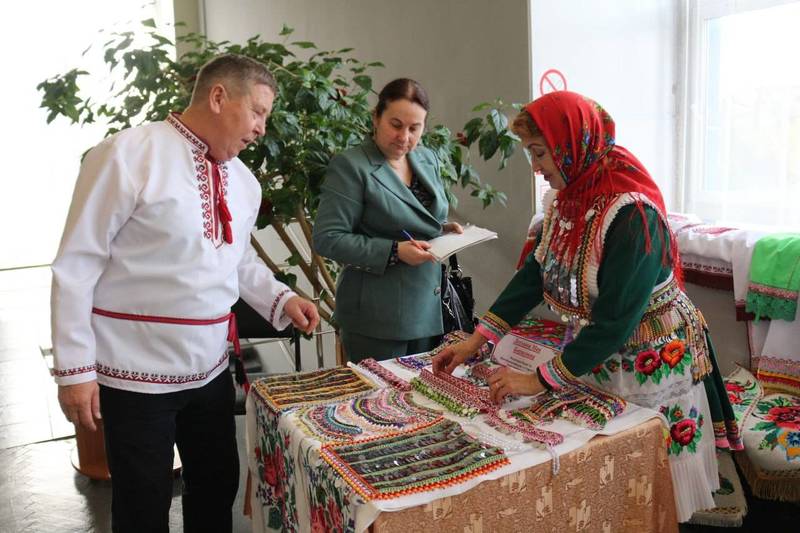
(462, 51)
(624, 55)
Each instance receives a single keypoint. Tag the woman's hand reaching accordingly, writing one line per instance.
(449, 358)
(506, 382)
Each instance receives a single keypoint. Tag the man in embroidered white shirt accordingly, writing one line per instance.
(155, 250)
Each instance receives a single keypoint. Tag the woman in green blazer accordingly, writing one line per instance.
(376, 197)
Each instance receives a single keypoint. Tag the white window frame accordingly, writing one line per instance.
(692, 103)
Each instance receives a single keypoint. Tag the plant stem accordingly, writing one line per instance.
(306, 227)
(305, 267)
(326, 315)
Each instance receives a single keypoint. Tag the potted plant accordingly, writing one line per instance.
(322, 108)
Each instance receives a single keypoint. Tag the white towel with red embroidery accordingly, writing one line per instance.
(143, 237)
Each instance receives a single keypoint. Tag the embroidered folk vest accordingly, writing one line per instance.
(570, 285)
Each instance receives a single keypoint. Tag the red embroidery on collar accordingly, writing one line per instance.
(173, 120)
(212, 196)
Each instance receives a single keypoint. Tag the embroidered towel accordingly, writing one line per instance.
(775, 277)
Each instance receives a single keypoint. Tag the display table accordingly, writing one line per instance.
(617, 482)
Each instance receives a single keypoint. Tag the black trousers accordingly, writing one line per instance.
(140, 431)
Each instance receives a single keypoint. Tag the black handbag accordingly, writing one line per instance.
(458, 304)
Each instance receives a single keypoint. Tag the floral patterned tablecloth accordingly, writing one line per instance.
(613, 483)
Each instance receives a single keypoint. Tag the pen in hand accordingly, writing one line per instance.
(410, 257)
(408, 236)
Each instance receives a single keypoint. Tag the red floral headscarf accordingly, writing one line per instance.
(581, 137)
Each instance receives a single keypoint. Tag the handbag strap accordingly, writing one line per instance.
(454, 266)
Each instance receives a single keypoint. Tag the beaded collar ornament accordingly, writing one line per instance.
(580, 403)
(466, 399)
(414, 362)
(386, 411)
(436, 455)
(481, 372)
(287, 391)
(499, 420)
(457, 395)
(385, 375)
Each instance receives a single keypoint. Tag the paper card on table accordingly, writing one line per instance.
(450, 243)
(530, 344)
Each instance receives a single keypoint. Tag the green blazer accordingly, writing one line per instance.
(363, 208)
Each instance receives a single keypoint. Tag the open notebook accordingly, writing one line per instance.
(450, 243)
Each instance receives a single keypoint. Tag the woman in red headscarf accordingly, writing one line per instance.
(605, 263)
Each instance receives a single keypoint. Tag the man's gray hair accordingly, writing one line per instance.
(235, 72)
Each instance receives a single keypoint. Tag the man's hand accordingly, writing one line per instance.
(449, 358)
(81, 403)
(506, 381)
(303, 313)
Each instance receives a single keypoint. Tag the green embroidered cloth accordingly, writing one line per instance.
(775, 277)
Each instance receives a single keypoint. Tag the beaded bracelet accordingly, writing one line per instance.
(528, 431)
(385, 374)
(414, 362)
(482, 371)
(580, 403)
(457, 395)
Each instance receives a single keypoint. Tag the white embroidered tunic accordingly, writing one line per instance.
(144, 237)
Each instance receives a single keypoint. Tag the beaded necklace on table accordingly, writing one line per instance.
(436, 455)
(287, 391)
(386, 411)
(457, 395)
(414, 362)
(480, 373)
(321, 422)
(583, 405)
(467, 399)
(385, 375)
